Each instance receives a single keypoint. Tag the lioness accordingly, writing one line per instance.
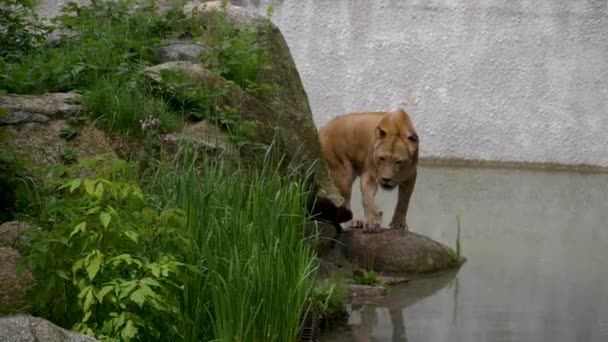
(381, 148)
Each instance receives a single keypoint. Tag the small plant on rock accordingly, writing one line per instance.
(365, 277)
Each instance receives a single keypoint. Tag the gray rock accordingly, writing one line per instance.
(20, 109)
(203, 136)
(180, 50)
(13, 287)
(287, 107)
(25, 328)
(397, 252)
(11, 234)
(363, 292)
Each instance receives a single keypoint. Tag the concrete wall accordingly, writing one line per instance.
(497, 80)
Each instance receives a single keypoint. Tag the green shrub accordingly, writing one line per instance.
(20, 29)
(365, 277)
(107, 264)
(237, 52)
(328, 299)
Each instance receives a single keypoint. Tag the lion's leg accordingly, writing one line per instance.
(344, 177)
(371, 211)
(405, 193)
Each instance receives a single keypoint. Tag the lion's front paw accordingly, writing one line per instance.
(371, 228)
(355, 224)
(400, 226)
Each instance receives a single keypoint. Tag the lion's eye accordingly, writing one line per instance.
(382, 159)
(413, 138)
(398, 162)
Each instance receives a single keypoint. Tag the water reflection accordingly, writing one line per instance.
(536, 243)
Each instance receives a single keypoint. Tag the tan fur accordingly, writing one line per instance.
(382, 149)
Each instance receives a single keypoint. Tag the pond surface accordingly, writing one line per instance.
(537, 269)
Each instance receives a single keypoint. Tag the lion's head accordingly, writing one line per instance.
(395, 149)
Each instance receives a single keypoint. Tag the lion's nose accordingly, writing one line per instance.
(385, 180)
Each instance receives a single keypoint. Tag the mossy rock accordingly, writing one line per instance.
(397, 252)
(35, 124)
(287, 106)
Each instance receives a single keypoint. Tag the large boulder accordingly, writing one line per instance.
(25, 328)
(35, 127)
(397, 252)
(13, 287)
(330, 204)
(287, 107)
(12, 234)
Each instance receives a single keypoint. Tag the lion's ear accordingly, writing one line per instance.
(380, 133)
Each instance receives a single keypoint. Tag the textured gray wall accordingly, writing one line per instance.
(497, 80)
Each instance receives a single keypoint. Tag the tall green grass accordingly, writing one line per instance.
(256, 268)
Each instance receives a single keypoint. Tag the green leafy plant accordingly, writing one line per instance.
(328, 299)
(20, 28)
(68, 133)
(108, 265)
(69, 156)
(238, 54)
(365, 277)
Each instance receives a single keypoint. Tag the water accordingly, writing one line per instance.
(537, 270)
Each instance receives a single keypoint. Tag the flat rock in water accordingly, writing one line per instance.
(397, 252)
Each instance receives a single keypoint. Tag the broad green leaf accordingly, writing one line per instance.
(87, 315)
(138, 193)
(99, 190)
(126, 288)
(103, 292)
(89, 186)
(93, 210)
(105, 219)
(63, 274)
(75, 184)
(88, 300)
(79, 227)
(77, 265)
(94, 261)
(131, 235)
(150, 281)
(138, 297)
(155, 269)
(129, 331)
(119, 166)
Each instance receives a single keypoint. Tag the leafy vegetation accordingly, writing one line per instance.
(194, 249)
(20, 29)
(107, 263)
(328, 299)
(365, 277)
(103, 50)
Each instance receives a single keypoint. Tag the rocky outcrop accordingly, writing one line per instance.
(12, 234)
(397, 252)
(34, 126)
(299, 142)
(13, 287)
(25, 328)
(180, 50)
(287, 107)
